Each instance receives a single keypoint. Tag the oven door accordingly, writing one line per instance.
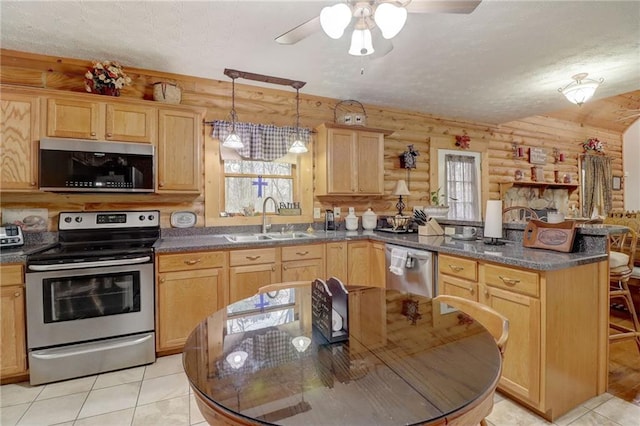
(76, 305)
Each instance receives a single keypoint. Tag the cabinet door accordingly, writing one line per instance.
(303, 270)
(521, 367)
(179, 151)
(19, 124)
(13, 355)
(378, 267)
(69, 118)
(359, 263)
(341, 161)
(184, 299)
(131, 123)
(370, 163)
(244, 281)
(457, 287)
(336, 256)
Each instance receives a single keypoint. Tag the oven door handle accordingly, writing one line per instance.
(91, 348)
(82, 265)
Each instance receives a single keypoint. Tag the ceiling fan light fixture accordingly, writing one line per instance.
(361, 44)
(581, 89)
(390, 19)
(334, 19)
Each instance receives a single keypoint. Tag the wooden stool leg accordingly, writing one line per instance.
(625, 293)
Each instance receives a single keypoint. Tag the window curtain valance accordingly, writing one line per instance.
(264, 142)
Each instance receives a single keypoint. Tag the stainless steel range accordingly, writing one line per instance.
(90, 299)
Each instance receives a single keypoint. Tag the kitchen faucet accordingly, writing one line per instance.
(266, 227)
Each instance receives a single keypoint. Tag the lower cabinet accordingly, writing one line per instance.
(189, 288)
(336, 260)
(13, 349)
(377, 270)
(251, 269)
(303, 263)
(558, 322)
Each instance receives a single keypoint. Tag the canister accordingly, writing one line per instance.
(369, 220)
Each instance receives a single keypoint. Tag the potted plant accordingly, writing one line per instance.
(438, 208)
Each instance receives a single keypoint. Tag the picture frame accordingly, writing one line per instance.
(616, 183)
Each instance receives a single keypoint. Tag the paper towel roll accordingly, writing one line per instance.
(336, 321)
(493, 219)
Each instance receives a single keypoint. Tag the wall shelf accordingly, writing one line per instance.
(542, 186)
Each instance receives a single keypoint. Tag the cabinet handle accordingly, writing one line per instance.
(284, 268)
(160, 184)
(273, 268)
(456, 268)
(163, 279)
(192, 261)
(93, 133)
(16, 294)
(253, 257)
(302, 253)
(486, 292)
(109, 135)
(509, 281)
(471, 290)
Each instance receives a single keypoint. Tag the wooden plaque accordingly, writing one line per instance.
(537, 156)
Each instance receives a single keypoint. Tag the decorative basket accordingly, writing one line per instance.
(350, 112)
(167, 92)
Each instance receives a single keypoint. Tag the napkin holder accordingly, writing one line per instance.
(431, 228)
(327, 297)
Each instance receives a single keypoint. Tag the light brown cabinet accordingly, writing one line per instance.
(558, 322)
(190, 287)
(303, 263)
(19, 130)
(13, 349)
(378, 272)
(86, 119)
(357, 262)
(349, 161)
(179, 151)
(251, 269)
(336, 260)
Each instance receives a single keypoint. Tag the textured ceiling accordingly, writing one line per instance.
(502, 62)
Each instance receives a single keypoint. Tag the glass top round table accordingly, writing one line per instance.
(405, 361)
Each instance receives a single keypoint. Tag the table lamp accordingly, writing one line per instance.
(493, 222)
(400, 190)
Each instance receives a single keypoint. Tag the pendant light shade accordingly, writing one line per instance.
(390, 19)
(334, 19)
(233, 139)
(361, 44)
(581, 89)
(298, 146)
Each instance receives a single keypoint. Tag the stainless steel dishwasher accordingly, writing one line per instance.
(410, 270)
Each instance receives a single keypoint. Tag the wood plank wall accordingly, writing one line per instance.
(273, 105)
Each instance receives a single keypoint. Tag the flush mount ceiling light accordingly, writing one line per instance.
(581, 89)
(233, 139)
(298, 146)
(390, 18)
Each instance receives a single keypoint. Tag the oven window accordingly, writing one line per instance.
(73, 298)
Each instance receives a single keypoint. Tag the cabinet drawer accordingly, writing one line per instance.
(458, 267)
(524, 282)
(252, 257)
(310, 251)
(11, 275)
(188, 261)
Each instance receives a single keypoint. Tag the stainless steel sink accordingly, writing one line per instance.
(278, 236)
(246, 238)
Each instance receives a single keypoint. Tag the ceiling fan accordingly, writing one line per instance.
(387, 15)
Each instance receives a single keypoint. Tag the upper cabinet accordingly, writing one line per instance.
(179, 151)
(19, 124)
(349, 160)
(85, 119)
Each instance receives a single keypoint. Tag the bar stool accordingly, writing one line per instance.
(622, 249)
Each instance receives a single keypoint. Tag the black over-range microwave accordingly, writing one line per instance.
(92, 166)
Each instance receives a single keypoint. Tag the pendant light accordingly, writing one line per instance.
(581, 89)
(233, 139)
(298, 146)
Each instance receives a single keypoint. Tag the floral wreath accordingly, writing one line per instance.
(463, 141)
(594, 145)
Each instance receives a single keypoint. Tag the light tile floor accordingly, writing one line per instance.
(159, 395)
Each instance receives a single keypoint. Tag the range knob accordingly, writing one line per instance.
(68, 219)
(151, 217)
(78, 219)
(141, 217)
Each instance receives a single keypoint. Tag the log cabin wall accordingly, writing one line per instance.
(276, 106)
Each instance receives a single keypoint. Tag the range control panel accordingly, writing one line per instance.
(105, 220)
(11, 236)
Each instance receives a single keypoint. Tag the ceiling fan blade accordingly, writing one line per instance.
(300, 32)
(442, 6)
